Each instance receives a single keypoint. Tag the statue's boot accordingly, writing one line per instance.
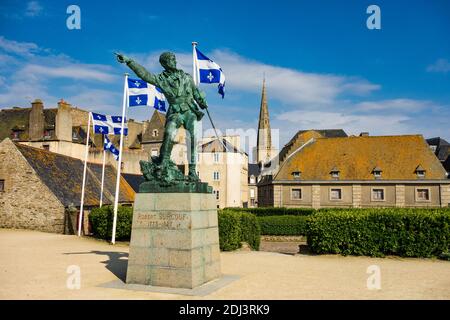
(192, 175)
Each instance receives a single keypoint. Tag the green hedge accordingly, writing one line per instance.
(379, 232)
(271, 211)
(236, 227)
(101, 220)
(283, 225)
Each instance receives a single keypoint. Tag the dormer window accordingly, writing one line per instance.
(420, 172)
(335, 173)
(377, 172)
(296, 174)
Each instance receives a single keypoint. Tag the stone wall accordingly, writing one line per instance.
(26, 203)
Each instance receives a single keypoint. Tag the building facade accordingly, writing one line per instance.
(364, 171)
(224, 167)
(41, 190)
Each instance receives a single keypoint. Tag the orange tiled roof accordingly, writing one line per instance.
(356, 157)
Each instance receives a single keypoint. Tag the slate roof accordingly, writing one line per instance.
(63, 175)
(397, 156)
(254, 169)
(18, 118)
(442, 147)
(216, 146)
(134, 180)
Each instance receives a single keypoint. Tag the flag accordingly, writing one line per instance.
(108, 146)
(108, 124)
(209, 71)
(141, 93)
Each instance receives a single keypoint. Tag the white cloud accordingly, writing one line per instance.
(395, 105)
(441, 65)
(33, 9)
(289, 86)
(20, 48)
(71, 71)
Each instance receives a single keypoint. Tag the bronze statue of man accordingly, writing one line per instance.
(184, 101)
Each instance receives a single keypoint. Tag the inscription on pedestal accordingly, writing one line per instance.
(162, 220)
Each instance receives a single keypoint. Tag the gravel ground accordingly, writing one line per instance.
(33, 265)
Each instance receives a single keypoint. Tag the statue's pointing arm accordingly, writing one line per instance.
(140, 71)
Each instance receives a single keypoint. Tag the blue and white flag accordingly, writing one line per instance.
(209, 72)
(108, 124)
(108, 146)
(141, 93)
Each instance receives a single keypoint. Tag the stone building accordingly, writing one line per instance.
(41, 190)
(254, 175)
(224, 167)
(364, 171)
(63, 130)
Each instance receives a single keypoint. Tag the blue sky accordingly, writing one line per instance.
(324, 68)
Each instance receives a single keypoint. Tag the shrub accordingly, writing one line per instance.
(283, 225)
(250, 230)
(101, 220)
(236, 227)
(273, 211)
(377, 232)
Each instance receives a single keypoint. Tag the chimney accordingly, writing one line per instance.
(36, 120)
(364, 134)
(63, 121)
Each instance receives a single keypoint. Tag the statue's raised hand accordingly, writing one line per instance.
(122, 58)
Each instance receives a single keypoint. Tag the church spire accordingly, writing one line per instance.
(264, 142)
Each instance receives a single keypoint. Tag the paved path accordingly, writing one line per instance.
(33, 265)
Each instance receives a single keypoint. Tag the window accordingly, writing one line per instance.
(154, 152)
(296, 194)
(422, 194)
(2, 185)
(378, 194)
(296, 174)
(155, 133)
(433, 148)
(252, 193)
(46, 147)
(334, 173)
(216, 157)
(377, 173)
(335, 194)
(216, 175)
(252, 179)
(420, 172)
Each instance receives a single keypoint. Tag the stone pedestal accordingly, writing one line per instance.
(174, 240)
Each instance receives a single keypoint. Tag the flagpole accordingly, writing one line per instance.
(197, 82)
(86, 154)
(103, 172)
(194, 64)
(119, 164)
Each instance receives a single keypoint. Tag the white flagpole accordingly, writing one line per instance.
(194, 64)
(80, 217)
(103, 172)
(119, 164)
